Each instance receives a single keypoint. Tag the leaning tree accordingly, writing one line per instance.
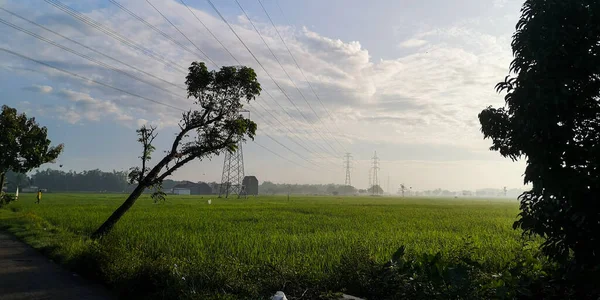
(216, 127)
(551, 118)
(24, 145)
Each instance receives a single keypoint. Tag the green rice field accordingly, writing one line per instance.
(231, 241)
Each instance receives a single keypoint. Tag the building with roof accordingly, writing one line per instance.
(191, 188)
(250, 184)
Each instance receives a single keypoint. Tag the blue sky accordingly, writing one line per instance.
(404, 78)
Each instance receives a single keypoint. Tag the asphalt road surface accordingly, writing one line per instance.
(27, 274)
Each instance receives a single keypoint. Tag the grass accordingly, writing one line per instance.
(246, 247)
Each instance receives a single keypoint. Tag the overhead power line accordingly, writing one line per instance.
(138, 96)
(124, 40)
(298, 66)
(123, 8)
(257, 102)
(262, 66)
(90, 48)
(271, 125)
(89, 79)
(172, 24)
(84, 56)
(110, 33)
(289, 77)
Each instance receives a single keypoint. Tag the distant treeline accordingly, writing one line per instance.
(116, 182)
(267, 188)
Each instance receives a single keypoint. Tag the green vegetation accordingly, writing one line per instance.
(256, 246)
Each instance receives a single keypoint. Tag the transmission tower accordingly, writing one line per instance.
(375, 178)
(347, 162)
(233, 172)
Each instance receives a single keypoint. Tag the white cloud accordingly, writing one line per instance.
(42, 89)
(141, 122)
(85, 106)
(412, 43)
(427, 98)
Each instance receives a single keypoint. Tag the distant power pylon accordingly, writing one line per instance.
(347, 164)
(375, 178)
(233, 172)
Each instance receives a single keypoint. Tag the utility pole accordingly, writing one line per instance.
(388, 184)
(347, 162)
(375, 169)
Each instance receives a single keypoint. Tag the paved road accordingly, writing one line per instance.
(26, 274)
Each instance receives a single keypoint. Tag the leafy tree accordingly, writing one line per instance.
(376, 189)
(86, 181)
(347, 190)
(24, 145)
(552, 119)
(14, 180)
(218, 127)
(402, 189)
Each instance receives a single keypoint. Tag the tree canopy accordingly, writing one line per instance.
(552, 119)
(24, 145)
(215, 127)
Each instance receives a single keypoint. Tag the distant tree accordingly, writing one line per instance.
(24, 145)
(14, 180)
(376, 190)
(347, 190)
(552, 118)
(218, 127)
(402, 189)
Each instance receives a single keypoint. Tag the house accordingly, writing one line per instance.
(181, 191)
(191, 188)
(250, 183)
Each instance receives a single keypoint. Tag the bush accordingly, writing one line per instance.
(5, 199)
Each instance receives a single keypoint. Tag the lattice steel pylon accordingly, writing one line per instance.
(347, 165)
(233, 171)
(233, 174)
(375, 187)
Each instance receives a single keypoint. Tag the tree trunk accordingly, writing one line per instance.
(116, 216)
(2, 178)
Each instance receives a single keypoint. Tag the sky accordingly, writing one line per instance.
(403, 78)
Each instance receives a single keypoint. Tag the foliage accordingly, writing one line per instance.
(376, 189)
(14, 179)
(552, 118)
(85, 181)
(218, 126)
(23, 143)
(6, 198)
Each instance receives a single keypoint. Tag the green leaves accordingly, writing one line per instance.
(23, 143)
(552, 117)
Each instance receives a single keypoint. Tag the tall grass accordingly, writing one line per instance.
(232, 240)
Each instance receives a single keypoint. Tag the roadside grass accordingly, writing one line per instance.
(250, 248)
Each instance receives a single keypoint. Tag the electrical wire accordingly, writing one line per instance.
(90, 49)
(266, 91)
(262, 66)
(89, 79)
(298, 66)
(84, 56)
(124, 40)
(288, 75)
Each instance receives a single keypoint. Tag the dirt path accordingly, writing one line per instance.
(26, 274)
